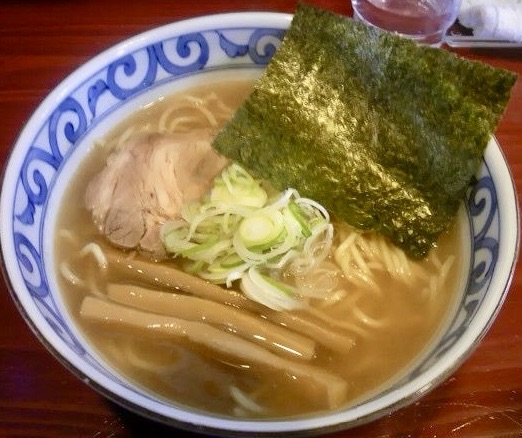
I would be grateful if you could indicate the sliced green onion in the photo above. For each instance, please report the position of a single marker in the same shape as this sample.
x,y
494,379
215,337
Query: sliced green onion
x,y
231,261
208,251
261,229
269,292
194,267
300,217
236,186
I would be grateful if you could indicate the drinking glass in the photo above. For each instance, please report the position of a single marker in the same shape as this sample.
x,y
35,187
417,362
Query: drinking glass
x,y
425,21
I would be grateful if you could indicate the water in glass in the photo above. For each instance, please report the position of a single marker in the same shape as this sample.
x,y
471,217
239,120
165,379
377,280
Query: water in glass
x,y
426,21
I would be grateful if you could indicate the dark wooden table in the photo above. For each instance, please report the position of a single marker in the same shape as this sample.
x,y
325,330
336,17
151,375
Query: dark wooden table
x,y
43,41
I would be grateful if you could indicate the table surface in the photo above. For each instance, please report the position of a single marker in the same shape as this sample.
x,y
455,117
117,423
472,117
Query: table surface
x,y
43,41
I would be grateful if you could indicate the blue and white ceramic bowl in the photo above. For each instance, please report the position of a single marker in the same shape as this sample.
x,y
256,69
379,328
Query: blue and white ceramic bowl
x,y
120,80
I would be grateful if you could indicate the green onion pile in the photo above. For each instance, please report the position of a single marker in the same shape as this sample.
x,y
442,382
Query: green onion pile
x,y
242,231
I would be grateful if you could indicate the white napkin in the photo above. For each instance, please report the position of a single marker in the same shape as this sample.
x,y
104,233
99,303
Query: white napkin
x,y
493,19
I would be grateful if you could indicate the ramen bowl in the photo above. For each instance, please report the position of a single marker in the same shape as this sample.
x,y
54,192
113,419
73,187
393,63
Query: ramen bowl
x,y
126,77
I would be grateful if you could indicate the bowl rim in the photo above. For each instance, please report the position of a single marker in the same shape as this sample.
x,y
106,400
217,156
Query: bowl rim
x,y
218,425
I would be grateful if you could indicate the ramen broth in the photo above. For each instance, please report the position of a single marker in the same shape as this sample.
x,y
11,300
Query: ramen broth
x,y
385,329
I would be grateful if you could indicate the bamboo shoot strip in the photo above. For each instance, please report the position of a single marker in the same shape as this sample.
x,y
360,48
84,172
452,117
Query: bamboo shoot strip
x,y
160,275
244,324
333,387
303,323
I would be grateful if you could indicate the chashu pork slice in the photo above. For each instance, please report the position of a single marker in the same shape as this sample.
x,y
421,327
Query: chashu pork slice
x,y
146,181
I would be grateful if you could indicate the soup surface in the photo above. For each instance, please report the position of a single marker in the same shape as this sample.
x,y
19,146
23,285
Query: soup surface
x,y
365,334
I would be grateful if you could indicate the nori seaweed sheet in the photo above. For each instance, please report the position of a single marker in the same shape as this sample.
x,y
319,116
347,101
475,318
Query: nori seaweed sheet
x,y
385,133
